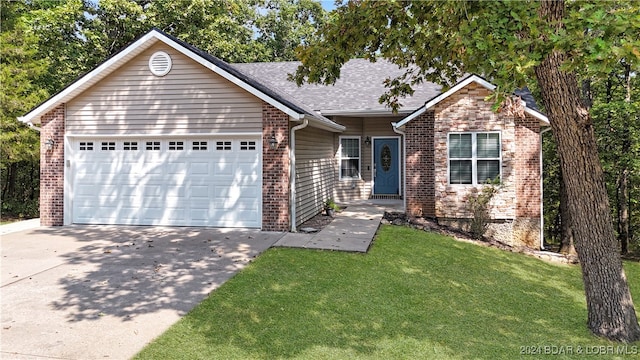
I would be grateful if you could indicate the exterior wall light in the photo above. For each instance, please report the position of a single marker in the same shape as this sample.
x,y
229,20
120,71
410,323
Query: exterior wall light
x,y
367,140
48,144
273,142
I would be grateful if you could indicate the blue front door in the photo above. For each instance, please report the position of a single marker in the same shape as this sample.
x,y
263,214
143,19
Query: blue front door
x,y
386,166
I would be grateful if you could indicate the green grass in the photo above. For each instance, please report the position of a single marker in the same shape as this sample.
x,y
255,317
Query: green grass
x,y
415,295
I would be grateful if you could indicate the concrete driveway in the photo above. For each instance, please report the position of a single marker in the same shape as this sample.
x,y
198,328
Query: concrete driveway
x,y
104,292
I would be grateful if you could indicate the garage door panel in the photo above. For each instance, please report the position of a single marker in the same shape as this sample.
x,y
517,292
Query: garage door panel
x,y
126,214
199,192
245,168
221,169
175,192
236,191
246,181
199,168
228,219
168,187
238,204
199,216
164,215
177,168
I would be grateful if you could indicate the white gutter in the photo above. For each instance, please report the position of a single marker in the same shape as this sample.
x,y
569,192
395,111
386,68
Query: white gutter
x,y
404,165
542,193
31,125
321,122
292,173
366,112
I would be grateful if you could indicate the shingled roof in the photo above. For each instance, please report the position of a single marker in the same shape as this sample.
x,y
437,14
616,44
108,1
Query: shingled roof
x,y
358,89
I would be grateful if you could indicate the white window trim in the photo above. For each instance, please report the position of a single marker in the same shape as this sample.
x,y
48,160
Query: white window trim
x,y
340,158
474,157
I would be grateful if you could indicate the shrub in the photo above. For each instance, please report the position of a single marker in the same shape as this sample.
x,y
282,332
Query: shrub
x,y
479,208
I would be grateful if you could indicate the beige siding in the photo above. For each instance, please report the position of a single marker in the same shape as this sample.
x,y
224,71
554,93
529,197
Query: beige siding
x,y
350,189
189,99
315,171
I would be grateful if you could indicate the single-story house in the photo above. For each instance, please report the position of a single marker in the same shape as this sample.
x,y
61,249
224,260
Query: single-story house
x,y
162,133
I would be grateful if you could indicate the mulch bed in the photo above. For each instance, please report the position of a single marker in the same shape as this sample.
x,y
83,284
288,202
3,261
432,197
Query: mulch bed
x,y
317,222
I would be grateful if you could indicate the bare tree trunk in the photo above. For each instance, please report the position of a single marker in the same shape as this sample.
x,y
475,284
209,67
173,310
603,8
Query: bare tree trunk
x,y
587,96
566,233
622,190
611,313
622,183
12,170
33,179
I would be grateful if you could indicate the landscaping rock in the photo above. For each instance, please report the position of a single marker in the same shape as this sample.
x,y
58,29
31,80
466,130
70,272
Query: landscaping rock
x,y
401,219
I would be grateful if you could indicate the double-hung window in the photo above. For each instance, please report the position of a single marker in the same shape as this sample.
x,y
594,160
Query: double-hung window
x,y
349,157
474,158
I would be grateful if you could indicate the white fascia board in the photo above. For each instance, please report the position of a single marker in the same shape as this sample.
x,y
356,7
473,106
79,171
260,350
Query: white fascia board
x,y
536,114
413,115
473,78
431,103
457,87
89,78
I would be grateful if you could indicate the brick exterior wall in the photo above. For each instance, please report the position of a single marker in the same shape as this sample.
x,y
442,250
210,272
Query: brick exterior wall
x,y
516,207
52,168
420,163
467,111
526,226
275,170
527,165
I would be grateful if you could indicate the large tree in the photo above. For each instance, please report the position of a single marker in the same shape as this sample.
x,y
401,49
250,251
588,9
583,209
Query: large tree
x,y
20,78
285,24
513,44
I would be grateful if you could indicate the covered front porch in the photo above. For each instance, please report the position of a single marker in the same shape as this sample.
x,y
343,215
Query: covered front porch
x,y
369,158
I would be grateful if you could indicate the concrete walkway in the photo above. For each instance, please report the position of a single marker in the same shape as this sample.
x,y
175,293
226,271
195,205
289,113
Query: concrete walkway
x,y
19,226
352,229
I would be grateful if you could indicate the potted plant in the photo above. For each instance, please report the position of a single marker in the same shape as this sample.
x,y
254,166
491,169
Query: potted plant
x,y
330,207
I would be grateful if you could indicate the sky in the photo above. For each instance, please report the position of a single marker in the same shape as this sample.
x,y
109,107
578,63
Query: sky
x,y
328,4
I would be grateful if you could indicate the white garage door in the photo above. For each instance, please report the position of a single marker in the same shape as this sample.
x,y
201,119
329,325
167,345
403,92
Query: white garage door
x,y
182,182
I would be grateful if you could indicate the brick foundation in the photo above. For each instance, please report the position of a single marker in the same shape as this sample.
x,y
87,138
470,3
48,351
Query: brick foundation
x,y
52,168
275,170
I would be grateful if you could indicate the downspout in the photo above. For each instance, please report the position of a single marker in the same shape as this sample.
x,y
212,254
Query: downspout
x,y
404,165
292,173
542,192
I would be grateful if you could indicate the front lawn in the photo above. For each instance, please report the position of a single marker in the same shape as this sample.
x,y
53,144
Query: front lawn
x,y
415,295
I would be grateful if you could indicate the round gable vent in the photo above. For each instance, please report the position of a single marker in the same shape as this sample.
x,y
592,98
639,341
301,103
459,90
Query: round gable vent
x,y
160,63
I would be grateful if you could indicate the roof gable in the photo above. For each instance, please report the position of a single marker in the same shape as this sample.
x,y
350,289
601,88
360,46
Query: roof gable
x,y
288,106
529,106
